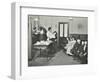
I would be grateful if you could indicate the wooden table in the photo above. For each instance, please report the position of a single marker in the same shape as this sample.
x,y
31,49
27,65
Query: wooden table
x,y
41,47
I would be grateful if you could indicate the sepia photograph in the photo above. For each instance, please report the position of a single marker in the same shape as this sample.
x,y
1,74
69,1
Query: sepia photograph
x,y
57,40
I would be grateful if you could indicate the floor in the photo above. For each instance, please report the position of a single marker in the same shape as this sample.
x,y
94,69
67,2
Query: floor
x,y
60,58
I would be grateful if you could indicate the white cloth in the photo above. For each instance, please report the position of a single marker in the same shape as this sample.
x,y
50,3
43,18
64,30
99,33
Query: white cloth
x,y
84,47
43,43
69,46
50,35
41,32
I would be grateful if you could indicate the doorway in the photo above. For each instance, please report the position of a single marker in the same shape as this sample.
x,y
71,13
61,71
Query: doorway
x,y
63,30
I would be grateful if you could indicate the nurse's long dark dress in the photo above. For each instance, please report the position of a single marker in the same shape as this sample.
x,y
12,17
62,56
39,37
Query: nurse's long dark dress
x,y
43,36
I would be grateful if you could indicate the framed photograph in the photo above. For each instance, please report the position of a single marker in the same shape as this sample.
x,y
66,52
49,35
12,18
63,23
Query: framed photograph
x,y
48,42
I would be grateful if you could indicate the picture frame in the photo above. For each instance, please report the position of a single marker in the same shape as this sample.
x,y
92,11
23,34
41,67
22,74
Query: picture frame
x,y
19,38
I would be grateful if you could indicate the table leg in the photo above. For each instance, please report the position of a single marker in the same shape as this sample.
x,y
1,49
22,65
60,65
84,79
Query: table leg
x,y
40,52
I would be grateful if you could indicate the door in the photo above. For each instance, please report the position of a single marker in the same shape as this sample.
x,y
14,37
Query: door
x,y
63,30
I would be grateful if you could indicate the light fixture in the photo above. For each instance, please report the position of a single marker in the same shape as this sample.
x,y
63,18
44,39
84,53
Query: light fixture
x,y
70,18
36,19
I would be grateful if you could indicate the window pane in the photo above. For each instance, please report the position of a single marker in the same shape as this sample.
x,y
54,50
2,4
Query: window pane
x,y
61,30
65,30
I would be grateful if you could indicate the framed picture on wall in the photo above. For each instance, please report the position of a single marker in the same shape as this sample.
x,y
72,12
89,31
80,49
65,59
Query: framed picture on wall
x,y
49,41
